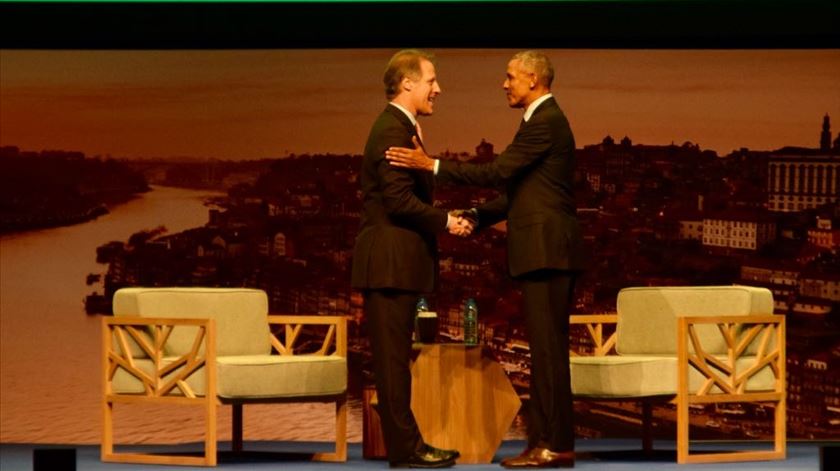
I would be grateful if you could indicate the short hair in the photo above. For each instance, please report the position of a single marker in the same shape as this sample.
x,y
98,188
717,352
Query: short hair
x,y
538,63
405,63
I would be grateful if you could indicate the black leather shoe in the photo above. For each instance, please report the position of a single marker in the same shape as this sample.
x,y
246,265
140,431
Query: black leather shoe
x,y
455,454
428,457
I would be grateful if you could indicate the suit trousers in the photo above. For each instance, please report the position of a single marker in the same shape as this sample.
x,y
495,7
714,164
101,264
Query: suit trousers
x,y
390,323
547,297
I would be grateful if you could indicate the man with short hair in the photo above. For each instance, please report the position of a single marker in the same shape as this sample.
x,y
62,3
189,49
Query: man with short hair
x,y
544,243
395,256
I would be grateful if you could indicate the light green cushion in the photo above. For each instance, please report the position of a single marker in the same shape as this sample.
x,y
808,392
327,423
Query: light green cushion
x,y
642,376
241,316
125,383
647,317
258,376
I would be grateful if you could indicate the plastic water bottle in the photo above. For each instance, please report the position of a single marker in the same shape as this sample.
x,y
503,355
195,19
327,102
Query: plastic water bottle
x,y
470,322
422,306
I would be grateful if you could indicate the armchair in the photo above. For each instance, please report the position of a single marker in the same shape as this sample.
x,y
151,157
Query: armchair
x,y
211,346
688,345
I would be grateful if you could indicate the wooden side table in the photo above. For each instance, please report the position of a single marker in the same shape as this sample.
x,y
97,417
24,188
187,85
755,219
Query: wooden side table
x,y
373,444
462,399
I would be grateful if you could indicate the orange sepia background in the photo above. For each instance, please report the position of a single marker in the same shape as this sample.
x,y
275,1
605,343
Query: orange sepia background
x,y
209,129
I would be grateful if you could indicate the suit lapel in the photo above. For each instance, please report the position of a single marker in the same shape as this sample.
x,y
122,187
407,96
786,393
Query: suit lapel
x,y
544,106
540,109
425,177
403,119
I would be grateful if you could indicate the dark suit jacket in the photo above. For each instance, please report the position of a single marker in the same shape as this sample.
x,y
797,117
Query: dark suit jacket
x,y
396,247
537,170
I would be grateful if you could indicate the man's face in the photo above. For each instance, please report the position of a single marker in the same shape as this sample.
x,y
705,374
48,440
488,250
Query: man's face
x,y
518,83
425,90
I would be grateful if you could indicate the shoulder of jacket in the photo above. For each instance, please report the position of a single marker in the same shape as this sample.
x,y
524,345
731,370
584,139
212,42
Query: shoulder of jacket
x,y
552,114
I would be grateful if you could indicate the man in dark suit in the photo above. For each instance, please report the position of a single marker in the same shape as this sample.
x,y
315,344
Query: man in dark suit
x,y
544,243
395,256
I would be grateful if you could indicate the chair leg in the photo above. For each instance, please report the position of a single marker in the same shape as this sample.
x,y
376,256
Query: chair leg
x,y
682,430
210,456
236,427
647,428
780,429
341,429
340,453
107,449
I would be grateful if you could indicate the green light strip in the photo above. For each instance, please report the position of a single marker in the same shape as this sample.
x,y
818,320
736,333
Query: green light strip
x,y
337,1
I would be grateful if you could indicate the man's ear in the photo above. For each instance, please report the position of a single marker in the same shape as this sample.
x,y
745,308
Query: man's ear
x,y
406,84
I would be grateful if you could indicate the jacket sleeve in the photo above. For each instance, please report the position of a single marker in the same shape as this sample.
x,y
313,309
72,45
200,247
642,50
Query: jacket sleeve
x,y
529,146
398,192
492,212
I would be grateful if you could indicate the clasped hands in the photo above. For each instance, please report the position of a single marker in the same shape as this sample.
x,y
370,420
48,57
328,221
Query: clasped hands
x,y
463,224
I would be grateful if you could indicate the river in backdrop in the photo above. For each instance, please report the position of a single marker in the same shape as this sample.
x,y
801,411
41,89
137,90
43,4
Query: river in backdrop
x,y
50,365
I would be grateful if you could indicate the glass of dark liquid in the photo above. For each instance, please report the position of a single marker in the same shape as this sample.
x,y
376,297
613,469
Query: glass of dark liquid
x,y
427,326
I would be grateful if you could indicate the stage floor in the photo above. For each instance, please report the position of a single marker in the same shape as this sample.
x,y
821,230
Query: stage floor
x,y
602,454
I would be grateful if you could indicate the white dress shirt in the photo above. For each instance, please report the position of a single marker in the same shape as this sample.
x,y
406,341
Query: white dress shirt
x,y
534,104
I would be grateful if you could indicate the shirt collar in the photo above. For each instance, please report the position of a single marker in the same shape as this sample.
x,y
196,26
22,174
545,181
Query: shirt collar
x,y
533,106
407,113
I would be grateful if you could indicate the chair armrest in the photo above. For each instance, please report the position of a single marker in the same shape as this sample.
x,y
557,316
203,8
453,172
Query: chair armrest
x,y
738,333
294,323
150,335
595,327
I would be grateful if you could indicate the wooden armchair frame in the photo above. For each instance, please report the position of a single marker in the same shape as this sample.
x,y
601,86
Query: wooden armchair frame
x,y
161,387
595,327
738,332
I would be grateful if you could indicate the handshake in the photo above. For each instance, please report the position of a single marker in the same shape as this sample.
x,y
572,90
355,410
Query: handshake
x,y
463,222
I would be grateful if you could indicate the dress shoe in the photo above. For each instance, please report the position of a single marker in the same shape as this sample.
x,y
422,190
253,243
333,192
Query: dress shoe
x,y
455,454
525,454
428,457
539,457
